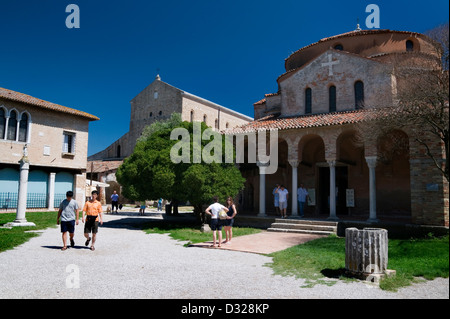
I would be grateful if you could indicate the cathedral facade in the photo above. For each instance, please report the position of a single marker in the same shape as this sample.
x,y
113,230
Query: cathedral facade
x,y
157,102
327,92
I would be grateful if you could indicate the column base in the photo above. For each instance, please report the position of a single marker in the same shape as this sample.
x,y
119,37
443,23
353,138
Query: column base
x,y
20,223
205,228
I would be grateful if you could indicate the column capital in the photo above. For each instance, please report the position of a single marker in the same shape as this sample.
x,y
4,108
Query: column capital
x,y
293,163
262,167
331,162
371,161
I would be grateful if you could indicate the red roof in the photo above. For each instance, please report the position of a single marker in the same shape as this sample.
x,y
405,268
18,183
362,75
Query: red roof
x,y
276,122
24,98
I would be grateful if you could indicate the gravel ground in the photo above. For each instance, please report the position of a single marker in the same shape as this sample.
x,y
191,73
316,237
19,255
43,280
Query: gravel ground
x,y
130,264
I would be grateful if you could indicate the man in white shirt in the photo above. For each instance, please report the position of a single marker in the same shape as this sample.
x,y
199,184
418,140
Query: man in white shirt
x,y
302,194
283,198
216,223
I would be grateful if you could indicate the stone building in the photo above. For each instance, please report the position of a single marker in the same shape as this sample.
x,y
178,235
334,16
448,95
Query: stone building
x,y
56,138
329,88
157,102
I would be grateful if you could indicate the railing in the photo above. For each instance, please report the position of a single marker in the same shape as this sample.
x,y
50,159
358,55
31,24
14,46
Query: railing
x,y
8,200
58,199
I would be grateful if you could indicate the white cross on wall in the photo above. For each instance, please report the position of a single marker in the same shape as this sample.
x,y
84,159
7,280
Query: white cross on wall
x,y
330,64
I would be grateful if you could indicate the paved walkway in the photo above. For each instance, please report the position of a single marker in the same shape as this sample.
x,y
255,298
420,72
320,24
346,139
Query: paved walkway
x,y
130,264
262,243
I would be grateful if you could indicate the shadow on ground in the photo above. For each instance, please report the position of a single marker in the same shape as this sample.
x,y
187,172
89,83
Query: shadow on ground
x,y
150,220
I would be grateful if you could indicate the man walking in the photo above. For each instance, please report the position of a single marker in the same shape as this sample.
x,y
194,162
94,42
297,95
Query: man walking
x,y
114,202
66,214
93,212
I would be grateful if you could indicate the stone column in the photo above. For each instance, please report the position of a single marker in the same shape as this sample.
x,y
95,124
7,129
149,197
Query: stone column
x,y
22,199
262,188
51,191
372,163
332,165
294,164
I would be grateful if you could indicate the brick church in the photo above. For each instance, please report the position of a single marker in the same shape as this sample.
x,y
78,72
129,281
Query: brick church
x,y
327,91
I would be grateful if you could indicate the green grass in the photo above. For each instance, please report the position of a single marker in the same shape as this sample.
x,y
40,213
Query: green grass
x,y
10,238
324,258
191,232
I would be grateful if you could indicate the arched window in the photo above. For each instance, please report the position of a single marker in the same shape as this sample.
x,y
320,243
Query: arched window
x,y
332,98
2,123
23,128
409,45
151,114
12,126
339,47
227,125
204,118
118,151
216,124
359,94
192,116
308,97
160,113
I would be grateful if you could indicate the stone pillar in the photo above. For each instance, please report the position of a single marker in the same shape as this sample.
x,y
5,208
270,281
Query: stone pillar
x,y
372,163
332,165
22,199
51,191
366,253
262,188
294,164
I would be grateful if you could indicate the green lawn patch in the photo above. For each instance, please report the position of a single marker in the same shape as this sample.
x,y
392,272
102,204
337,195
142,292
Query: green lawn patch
x,y
191,232
10,238
324,258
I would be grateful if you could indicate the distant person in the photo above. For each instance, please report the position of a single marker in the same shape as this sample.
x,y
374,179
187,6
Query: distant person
x,y
68,214
114,202
142,209
216,223
93,212
276,199
160,204
284,196
302,195
232,211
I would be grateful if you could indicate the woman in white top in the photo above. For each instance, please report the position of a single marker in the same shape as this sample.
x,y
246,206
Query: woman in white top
x,y
216,224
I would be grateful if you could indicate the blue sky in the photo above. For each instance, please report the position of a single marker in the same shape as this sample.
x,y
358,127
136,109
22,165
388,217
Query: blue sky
x,y
229,52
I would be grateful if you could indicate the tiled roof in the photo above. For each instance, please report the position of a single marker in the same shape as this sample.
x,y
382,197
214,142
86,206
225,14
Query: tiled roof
x,y
352,34
102,166
276,122
24,98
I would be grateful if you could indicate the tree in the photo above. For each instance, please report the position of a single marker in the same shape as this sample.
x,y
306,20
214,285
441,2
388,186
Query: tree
x,y
150,173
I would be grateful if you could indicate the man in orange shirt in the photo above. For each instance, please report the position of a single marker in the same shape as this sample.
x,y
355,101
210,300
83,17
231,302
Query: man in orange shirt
x,y
93,212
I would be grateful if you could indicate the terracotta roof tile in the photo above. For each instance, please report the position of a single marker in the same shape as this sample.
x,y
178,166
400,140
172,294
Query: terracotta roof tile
x,y
102,166
276,122
24,98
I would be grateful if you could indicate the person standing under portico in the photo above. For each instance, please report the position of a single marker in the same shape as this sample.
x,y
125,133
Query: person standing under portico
x,y
283,198
302,195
